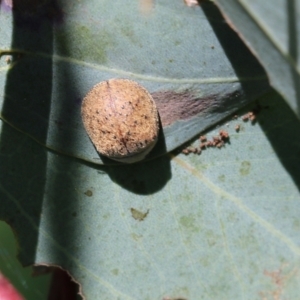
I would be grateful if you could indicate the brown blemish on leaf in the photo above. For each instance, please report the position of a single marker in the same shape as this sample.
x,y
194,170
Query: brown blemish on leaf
x,y
146,6
88,193
138,215
279,280
223,135
175,106
202,138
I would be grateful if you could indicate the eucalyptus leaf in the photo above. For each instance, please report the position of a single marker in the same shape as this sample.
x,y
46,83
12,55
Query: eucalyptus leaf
x,y
220,225
195,66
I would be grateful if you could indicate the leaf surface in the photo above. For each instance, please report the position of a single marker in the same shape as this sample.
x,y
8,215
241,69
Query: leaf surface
x,y
221,225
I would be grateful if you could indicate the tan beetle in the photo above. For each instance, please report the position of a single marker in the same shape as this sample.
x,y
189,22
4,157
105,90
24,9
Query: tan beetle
x,y
121,119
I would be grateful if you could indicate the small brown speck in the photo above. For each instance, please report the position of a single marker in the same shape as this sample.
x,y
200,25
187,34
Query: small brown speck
x,y
8,59
245,118
202,138
223,134
88,193
237,128
146,6
203,145
251,116
216,140
185,151
138,215
192,149
209,144
220,144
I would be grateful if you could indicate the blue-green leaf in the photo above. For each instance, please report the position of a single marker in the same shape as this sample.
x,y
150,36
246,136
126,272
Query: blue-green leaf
x,y
220,225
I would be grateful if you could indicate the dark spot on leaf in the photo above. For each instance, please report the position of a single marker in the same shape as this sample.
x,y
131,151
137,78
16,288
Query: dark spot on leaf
x,y
88,193
174,106
138,215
